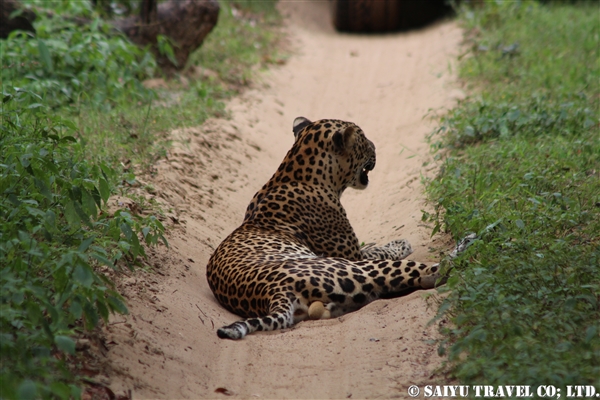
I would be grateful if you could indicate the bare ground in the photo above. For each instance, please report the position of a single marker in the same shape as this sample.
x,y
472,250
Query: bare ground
x,y
167,346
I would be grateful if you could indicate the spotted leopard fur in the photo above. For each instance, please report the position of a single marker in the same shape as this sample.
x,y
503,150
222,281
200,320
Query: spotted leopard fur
x,y
296,247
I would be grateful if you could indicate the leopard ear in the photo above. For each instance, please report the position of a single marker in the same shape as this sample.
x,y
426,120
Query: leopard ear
x,y
299,124
344,140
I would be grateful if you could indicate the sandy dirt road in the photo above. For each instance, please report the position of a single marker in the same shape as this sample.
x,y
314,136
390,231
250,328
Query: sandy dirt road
x,y
167,347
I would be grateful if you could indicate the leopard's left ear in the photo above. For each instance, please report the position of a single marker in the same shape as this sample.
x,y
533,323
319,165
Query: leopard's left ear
x,y
344,140
299,124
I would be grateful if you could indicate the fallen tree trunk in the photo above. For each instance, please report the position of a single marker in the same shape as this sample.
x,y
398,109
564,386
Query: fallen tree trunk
x,y
185,22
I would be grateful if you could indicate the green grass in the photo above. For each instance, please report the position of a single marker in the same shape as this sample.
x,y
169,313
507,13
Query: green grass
x,y
245,39
76,125
521,168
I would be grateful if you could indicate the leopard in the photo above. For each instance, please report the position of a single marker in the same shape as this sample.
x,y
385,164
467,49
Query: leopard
x,y
296,256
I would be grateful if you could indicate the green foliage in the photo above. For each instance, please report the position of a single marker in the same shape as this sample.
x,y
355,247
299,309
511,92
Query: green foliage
x,y
118,119
66,63
540,71
90,75
522,170
529,117
54,233
165,47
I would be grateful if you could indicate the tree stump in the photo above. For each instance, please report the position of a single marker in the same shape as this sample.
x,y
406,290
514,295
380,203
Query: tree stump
x,y
185,22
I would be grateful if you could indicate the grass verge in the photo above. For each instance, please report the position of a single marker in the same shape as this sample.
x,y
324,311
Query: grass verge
x,y
76,122
521,168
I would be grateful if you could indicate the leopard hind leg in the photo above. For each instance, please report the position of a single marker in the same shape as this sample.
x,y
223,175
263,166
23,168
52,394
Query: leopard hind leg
x,y
281,315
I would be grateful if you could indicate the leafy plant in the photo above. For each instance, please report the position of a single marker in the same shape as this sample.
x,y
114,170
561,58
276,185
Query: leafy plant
x,y
54,233
165,46
521,169
66,63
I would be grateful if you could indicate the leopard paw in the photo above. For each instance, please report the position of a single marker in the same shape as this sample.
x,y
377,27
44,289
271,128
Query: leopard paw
x,y
317,310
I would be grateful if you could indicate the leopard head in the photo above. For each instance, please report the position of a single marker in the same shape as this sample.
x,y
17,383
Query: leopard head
x,y
331,152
